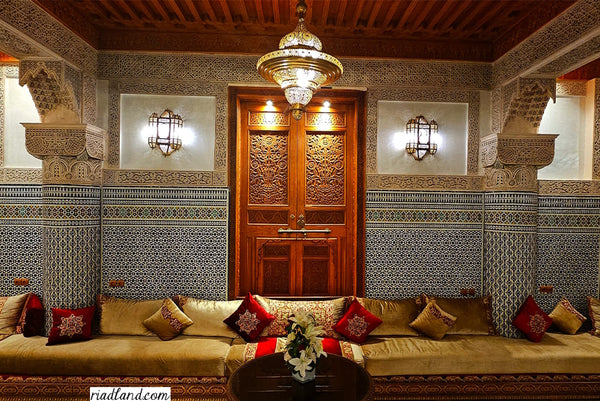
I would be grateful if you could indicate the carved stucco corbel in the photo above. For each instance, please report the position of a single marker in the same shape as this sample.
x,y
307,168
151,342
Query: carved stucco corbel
x,y
70,153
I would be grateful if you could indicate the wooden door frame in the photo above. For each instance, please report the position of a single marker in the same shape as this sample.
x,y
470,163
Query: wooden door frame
x,y
237,93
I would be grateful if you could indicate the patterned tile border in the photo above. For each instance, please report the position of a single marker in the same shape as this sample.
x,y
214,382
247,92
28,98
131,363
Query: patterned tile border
x,y
115,177
568,187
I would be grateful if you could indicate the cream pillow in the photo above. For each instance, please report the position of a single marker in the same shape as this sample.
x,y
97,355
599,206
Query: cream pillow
x,y
168,321
208,316
396,315
125,316
10,312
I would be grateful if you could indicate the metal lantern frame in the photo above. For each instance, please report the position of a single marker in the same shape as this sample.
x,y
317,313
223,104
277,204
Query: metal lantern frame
x,y
420,132
171,122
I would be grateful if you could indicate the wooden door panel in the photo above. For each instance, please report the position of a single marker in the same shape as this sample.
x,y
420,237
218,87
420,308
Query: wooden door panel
x,y
274,259
320,266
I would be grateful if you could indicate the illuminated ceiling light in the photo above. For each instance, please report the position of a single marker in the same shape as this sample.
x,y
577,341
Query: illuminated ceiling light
x,y
326,103
166,138
419,132
299,67
270,103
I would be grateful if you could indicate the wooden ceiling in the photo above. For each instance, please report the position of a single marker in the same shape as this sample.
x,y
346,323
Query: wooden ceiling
x,y
477,30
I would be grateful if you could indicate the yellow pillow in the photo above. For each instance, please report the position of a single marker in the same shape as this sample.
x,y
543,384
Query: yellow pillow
x,y
10,312
566,318
208,316
433,321
594,310
125,316
168,321
396,315
474,315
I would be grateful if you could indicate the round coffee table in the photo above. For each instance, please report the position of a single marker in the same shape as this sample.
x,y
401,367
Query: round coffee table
x,y
268,378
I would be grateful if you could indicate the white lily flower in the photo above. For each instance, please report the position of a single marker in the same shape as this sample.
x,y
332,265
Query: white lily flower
x,y
301,364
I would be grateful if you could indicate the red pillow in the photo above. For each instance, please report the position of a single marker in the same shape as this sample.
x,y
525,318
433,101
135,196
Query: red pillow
x,y
357,323
532,320
250,319
71,325
32,318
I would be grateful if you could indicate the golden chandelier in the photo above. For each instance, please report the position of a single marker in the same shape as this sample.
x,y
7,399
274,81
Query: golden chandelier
x,y
299,67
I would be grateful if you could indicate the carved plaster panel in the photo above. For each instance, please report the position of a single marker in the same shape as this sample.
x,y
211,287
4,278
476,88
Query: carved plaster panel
x,y
534,150
589,50
169,178
568,187
44,140
527,105
511,178
29,23
596,154
2,113
18,46
425,182
20,175
576,22
571,88
89,100
71,170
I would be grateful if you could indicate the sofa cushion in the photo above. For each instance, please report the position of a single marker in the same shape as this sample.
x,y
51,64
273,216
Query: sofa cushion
x,y
250,319
531,320
125,316
433,321
395,315
566,317
473,315
357,323
31,321
168,321
71,325
478,355
208,316
326,313
115,356
594,311
10,312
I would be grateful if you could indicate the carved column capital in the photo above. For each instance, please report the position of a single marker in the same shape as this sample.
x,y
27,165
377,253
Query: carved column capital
x,y
71,153
511,161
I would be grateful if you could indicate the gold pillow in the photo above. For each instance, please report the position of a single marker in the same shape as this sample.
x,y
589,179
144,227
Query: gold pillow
x,y
474,315
433,321
10,312
125,316
208,316
326,313
396,315
566,318
168,321
594,310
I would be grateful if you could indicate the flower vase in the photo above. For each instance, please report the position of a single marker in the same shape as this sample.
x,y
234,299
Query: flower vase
x,y
309,375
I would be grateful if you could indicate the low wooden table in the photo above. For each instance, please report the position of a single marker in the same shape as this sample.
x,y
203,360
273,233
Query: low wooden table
x,y
268,378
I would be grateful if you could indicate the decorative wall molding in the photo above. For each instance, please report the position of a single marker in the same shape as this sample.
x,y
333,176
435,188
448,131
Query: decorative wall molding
x,y
81,170
35,33
578,26
425,182
567,187
596,154
423,95
534,150
527,105
165,178
21,175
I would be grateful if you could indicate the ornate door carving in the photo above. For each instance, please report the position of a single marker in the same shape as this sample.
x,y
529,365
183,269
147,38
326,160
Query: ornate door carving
x,y
296,200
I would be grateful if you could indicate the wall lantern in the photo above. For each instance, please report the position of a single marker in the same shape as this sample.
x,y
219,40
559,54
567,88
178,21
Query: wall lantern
x,y
165,137
299,67
419,133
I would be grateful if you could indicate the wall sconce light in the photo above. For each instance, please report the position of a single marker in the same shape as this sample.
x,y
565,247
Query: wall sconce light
x,y
419,132
165,138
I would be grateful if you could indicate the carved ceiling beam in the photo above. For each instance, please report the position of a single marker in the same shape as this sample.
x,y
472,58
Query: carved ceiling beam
x,y
70,153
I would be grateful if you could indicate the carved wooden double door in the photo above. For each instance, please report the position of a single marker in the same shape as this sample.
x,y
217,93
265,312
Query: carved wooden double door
x,y
296,196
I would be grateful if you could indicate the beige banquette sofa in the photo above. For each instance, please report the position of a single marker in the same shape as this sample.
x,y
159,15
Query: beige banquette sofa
x,y
469,362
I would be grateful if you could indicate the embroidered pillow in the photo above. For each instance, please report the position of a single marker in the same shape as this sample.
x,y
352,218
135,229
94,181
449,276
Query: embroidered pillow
x,y
473,315
594,311
433,321
250,319
566,317
532,321
326,314
10,312
357,323
168,321
71,325
31,322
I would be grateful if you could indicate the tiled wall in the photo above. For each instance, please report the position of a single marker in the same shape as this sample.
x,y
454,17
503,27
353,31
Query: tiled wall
x,y
20,238
568,249
165,241
423,242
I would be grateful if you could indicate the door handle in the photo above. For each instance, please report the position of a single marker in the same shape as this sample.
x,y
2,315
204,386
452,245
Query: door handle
x,y
302,231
